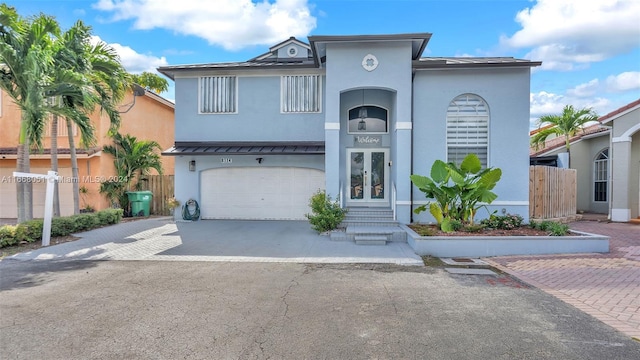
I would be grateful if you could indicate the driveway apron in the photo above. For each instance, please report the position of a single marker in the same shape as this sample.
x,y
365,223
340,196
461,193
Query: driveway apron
x,y
219,240
606,286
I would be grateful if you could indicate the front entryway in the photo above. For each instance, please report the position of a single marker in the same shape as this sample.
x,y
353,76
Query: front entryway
x,y
368,177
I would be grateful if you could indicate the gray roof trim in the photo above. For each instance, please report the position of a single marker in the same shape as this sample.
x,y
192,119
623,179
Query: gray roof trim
x,y
419,40
170,71
473,62
247,148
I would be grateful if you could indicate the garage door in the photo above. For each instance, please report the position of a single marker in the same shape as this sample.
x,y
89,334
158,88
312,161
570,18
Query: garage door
x,y
265,193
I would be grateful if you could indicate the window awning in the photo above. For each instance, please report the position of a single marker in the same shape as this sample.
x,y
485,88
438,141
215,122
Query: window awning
x,y
246,148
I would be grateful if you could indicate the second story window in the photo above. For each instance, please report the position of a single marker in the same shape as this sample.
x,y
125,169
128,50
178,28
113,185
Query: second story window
x,y
218,94
301,94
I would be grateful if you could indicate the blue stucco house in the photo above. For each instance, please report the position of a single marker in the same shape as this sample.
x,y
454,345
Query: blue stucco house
x,y
355,115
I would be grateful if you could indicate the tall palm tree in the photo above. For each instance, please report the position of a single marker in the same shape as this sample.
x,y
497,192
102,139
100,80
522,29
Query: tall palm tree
x,y
101,81
132,159
26,60
566,124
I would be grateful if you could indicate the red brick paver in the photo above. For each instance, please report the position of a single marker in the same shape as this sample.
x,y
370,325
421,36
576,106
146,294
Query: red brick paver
x,y
606,286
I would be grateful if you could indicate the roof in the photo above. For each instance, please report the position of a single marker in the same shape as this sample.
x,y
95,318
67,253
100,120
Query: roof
x,y
459,62
619,112
318,49
247,148
558,142
61,151
318,42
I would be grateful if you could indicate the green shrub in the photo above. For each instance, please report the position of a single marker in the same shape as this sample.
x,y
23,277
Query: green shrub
x,y
558,229
8,235
542,225
326,214
30,231
503,222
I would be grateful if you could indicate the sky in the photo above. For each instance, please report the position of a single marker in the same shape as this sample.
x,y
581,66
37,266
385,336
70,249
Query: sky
x,y
590,49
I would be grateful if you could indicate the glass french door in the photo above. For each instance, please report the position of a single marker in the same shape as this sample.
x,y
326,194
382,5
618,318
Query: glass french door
x,y
368,176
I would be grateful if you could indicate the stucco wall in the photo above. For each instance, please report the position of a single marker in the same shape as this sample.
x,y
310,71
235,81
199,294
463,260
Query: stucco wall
x,y
506,92
258,116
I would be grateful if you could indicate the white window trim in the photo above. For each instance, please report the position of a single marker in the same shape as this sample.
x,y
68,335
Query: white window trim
x,y
237,100
488,127
282,98
606,181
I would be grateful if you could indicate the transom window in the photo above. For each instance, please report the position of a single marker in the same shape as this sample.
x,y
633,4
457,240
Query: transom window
x,y
301,94
218,94
368,119
601,176
467,128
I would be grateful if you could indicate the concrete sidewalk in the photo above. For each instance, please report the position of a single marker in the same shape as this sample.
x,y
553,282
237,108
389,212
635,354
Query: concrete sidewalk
x,y
221,241
606,286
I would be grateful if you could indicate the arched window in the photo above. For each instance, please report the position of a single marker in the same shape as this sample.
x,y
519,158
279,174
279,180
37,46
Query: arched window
x,y
368,119
601,176
467,128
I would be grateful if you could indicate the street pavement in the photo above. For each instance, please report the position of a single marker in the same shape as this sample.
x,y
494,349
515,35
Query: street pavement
x,y
68,309
606,286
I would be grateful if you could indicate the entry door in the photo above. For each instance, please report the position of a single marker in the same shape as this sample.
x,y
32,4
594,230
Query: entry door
x,y
368,181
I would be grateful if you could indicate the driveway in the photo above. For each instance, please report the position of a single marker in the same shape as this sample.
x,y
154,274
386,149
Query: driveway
x,y
606,286
231,310
219,240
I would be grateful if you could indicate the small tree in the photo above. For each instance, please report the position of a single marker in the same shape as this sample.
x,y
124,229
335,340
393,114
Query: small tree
x,y
457,192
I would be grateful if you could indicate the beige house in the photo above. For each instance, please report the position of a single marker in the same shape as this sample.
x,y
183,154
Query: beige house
x,y
607,161
147,117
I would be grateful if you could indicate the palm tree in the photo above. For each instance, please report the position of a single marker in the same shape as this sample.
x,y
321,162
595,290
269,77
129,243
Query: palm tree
x,y
567,124
133,158
26,58
101,80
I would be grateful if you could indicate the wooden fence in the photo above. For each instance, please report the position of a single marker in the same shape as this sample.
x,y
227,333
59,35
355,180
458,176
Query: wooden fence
x,y
162,188
552,192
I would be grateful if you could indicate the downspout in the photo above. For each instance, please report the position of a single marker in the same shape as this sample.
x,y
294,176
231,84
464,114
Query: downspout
x,y
413,76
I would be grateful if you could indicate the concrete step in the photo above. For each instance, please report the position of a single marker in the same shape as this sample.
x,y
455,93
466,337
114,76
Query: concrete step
x,y
348,223
370,239
390,233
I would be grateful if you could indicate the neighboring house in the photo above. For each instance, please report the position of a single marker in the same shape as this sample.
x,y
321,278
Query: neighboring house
x,y
149,118
355,115
607,161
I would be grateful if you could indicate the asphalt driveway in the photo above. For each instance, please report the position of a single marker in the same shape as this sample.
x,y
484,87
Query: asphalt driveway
x,y
223,310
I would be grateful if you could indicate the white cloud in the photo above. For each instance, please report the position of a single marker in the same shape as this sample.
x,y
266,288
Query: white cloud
x,y
133,61
570,34
585,90
232,24
625,81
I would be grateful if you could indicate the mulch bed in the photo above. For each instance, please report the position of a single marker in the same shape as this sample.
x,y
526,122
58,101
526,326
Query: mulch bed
x,y
433,230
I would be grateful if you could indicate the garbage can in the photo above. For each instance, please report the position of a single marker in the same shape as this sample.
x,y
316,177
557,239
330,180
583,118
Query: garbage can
x,y
140,202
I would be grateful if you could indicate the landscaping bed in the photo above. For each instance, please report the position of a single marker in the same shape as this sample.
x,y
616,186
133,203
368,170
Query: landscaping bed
x,y
433,230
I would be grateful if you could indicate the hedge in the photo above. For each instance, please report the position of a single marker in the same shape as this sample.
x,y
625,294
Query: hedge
x,y
31,231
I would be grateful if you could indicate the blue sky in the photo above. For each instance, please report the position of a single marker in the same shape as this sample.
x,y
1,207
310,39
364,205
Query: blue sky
x,y
590,49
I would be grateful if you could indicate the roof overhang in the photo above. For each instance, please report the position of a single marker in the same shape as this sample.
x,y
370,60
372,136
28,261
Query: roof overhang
x,y
620,112
319,42
246,148
469,63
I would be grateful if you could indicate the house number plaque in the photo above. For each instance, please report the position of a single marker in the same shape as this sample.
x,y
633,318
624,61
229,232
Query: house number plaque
x,y
226,160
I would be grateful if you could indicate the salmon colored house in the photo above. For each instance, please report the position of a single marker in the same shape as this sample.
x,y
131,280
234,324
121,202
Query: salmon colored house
x,y
147,117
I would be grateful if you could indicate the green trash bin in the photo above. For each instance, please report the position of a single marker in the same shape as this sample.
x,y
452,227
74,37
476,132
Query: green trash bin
x,y
140,202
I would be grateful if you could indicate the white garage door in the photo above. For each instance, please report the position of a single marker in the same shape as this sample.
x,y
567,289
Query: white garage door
x,y
265,193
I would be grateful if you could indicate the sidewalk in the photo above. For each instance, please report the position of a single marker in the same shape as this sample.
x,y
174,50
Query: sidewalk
x,y
606,286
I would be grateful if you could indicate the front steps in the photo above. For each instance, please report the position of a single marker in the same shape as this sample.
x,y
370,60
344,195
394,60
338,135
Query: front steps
x,y
370,226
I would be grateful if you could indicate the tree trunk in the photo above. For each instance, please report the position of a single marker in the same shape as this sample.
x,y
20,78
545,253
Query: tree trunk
x,y
24,188
74,170
54,164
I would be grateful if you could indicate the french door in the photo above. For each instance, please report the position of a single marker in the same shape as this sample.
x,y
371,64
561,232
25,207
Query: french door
x,y
368,177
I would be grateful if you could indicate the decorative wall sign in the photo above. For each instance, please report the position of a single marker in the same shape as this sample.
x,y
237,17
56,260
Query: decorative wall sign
x,y
367,141
370,62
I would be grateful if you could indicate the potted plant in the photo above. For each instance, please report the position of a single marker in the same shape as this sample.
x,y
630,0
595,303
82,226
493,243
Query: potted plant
x,y
172,203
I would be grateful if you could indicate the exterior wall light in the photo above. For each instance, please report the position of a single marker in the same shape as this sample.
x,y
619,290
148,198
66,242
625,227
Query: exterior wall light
x,y
192,165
